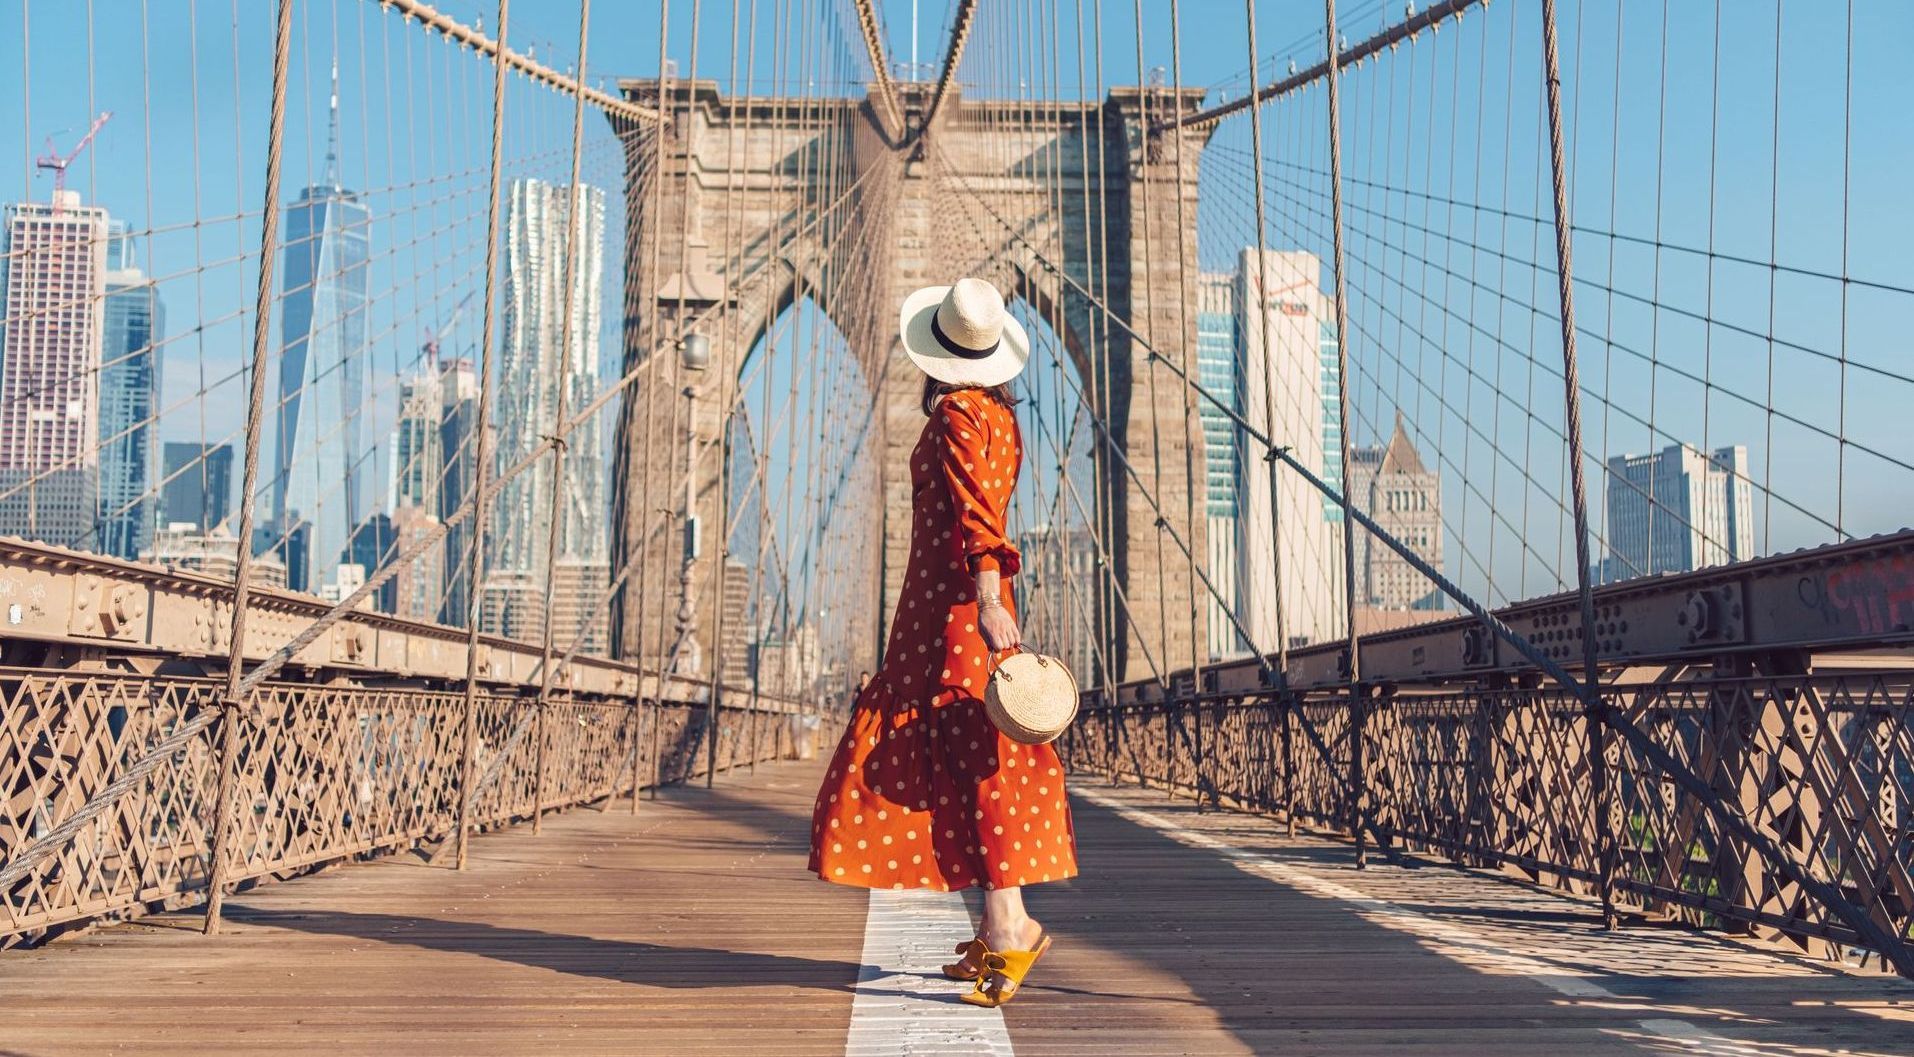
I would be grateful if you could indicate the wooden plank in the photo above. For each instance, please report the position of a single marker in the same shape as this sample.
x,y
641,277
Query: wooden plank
x,y
1210,933
694,929
691,928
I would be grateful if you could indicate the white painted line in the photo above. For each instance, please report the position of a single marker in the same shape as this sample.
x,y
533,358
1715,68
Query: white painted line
x,y
904,1007
1453,941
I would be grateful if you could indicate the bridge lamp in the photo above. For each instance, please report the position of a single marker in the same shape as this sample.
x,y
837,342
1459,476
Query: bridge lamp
x,y
694,353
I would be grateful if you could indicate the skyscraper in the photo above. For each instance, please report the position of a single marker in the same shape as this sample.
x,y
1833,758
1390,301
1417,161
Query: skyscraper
x,y
1329,349
1678,509
533,365
418,466
1216,347
374,545
1391,485
735,653
418,454
541,353
129,399
459,447
419,585
1280,390
318,454
53,305
578,609
198,487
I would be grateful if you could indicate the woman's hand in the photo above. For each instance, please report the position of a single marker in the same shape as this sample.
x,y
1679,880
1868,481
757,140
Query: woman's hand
x,y
999,627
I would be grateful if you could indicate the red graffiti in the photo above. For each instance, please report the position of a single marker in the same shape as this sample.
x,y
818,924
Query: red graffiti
x,y
1878,595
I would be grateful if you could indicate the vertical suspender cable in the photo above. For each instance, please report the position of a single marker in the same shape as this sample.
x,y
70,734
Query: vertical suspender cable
x,y
1572,399
1290,704
223,808
475,565
1172,716
727,336
647,298
1358,705
1186,338
574,229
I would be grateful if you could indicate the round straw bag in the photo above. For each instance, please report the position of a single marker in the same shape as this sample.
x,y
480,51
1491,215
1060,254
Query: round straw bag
x,y
1031,697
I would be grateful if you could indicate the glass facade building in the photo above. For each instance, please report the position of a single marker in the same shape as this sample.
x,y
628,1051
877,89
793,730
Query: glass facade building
x,y
129,400
319,469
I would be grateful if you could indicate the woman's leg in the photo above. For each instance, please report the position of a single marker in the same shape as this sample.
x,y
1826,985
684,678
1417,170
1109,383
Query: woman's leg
x,y
1007,926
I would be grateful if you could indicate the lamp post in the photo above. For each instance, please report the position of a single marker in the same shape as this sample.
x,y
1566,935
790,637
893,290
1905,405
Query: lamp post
x,y
694,356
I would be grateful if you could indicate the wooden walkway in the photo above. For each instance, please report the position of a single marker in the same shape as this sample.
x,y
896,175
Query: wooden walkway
x,y
693,929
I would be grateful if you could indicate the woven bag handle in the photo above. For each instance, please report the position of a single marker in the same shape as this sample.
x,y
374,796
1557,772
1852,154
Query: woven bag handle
x,y
1021,647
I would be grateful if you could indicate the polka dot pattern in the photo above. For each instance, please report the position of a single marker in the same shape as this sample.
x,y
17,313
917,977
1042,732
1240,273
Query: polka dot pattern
x,y
923,792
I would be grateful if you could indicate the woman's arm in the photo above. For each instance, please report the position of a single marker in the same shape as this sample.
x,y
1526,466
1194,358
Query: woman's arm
x,y
998,626
978,490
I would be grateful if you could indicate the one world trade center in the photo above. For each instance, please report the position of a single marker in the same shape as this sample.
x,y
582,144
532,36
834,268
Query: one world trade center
x,y
319,485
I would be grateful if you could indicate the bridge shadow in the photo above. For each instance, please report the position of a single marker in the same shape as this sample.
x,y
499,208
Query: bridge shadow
x,y
1281,964
619,961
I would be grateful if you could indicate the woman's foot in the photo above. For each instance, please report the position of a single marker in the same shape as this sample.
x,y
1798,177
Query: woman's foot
x,y
1007,967
1020,934
971,965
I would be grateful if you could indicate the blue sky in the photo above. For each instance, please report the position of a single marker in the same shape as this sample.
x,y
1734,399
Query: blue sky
x,y
1674,141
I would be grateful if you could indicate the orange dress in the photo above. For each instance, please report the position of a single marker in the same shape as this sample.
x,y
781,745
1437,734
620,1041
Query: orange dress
x,y
923,791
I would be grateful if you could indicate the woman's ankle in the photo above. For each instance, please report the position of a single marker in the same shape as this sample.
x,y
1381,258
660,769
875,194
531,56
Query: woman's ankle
x,y
1011,934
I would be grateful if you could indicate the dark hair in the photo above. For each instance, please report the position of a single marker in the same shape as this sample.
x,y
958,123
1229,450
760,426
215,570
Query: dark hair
x,y
934,389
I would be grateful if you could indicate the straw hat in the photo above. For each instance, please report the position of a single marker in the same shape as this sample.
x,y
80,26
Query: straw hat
x,y
960,334
1031,698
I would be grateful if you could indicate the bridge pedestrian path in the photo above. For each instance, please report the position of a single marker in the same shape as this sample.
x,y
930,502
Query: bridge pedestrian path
x,y
693,928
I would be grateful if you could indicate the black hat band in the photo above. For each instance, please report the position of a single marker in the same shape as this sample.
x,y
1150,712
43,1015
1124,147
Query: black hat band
x,y
957,350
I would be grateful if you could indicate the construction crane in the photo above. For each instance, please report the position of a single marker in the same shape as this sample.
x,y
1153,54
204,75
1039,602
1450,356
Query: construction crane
x,y
52,159
429,352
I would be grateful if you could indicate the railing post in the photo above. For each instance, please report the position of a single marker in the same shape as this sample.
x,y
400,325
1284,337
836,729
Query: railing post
x,y
638,740
638,733
1602,796
225,796
1358,791
1290,710
475,565
657,743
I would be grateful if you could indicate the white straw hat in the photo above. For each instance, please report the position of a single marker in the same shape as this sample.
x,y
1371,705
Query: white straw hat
x,y
961,334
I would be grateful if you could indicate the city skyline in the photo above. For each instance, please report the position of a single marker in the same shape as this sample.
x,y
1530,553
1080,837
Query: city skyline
x,y
1440,431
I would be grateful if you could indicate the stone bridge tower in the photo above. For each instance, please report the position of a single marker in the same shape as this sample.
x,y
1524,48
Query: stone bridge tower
x,y
1085,211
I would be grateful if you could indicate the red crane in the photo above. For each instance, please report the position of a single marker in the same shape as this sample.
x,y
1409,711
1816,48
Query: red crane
x,y
52,160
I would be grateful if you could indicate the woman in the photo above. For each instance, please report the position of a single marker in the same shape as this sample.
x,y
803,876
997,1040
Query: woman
x,y
923,791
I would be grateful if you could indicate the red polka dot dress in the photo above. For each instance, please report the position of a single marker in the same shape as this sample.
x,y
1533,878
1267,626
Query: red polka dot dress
x,y
923,792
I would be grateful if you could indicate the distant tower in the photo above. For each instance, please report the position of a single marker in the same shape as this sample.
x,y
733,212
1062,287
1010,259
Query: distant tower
x,y
1391,485
459,447
318,466
129,400
53,304
418,454
199,484
1216,368
1281,294
1678,509
534,363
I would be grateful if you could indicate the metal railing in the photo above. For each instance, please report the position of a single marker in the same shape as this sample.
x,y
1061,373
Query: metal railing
x,y
109,764
1489,763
